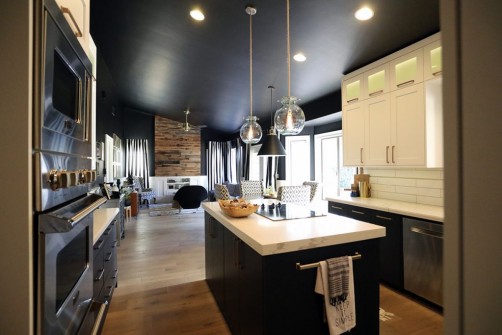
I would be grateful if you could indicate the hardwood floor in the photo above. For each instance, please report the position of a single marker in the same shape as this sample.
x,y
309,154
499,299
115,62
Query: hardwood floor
x,y
161,287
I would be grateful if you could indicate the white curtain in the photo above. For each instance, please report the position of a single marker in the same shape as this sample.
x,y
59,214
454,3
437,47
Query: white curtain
x,y
137,160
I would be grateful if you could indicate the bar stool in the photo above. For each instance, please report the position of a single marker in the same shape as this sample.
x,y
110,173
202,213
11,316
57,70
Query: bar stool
x,y
127,213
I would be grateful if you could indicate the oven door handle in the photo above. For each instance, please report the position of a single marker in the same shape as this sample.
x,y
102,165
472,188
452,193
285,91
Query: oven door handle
x,y
89,209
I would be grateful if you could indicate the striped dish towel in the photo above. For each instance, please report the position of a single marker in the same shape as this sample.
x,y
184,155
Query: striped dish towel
x,y
338,279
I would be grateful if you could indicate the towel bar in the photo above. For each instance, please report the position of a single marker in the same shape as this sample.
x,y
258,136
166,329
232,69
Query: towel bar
x,y
314,265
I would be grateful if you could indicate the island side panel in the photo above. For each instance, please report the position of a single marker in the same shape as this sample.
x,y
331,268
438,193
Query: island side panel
x,y
292,307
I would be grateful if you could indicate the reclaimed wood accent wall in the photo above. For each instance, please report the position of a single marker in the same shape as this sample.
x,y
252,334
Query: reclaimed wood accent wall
x,y
177,152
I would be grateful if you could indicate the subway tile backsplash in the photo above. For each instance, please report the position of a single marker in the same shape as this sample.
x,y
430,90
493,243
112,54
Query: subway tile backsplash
x,y
421,186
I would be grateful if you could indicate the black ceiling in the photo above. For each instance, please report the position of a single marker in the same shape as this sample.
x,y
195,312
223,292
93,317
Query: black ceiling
x,y
163,62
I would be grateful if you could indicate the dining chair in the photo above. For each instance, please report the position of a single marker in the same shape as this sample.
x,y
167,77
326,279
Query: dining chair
x,y
315,189
221,192
299,195
251,189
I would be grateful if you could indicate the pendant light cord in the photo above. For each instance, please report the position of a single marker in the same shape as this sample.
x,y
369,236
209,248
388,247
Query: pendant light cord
x,y
251,65
288,46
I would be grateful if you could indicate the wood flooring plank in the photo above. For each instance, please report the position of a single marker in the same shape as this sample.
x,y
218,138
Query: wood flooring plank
x,y
162,288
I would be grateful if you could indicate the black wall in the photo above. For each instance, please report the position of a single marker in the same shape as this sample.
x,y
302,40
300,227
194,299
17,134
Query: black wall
x,y
109,111
139,125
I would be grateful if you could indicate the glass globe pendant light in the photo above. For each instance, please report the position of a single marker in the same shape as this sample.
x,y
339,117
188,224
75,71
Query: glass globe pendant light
x,y
289,119
251,131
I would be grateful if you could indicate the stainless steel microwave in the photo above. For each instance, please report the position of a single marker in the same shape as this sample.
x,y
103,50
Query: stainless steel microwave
x,y
64,123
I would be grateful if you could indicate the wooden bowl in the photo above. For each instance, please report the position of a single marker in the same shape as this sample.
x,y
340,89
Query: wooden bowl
x,y
237,208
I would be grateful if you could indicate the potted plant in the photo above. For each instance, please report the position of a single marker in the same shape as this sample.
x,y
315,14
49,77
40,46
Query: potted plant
x,y
126,191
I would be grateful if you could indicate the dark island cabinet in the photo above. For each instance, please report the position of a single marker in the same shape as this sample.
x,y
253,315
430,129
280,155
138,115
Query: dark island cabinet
x,y
105,263
391,246
214,256
268,295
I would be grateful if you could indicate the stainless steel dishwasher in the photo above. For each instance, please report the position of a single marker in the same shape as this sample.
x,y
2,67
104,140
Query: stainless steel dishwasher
x,y
423,259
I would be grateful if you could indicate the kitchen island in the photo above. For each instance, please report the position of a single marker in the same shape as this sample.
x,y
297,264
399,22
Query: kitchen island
x,y
251,270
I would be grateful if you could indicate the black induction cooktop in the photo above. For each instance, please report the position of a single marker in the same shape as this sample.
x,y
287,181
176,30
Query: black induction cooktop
x,y
280,211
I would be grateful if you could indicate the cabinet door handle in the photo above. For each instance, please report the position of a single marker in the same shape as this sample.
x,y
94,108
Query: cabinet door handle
x,y
406,83
357,212
437,73
236,251
100,244
387,154
66,10
384,217
376,93
393,162
361,155
352,100
100,276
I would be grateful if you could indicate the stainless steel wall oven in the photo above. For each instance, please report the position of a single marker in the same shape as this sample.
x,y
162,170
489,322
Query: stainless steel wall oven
x,y
63,176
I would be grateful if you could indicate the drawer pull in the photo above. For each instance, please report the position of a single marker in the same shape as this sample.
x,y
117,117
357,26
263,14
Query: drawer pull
x,y
352,100
376,93
406,83
437,73
99,244
100,276
357,212
384,217
115,274
66,10
336,207
108,256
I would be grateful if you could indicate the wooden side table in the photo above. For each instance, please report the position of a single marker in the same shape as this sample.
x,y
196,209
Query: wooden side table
x,y
134,203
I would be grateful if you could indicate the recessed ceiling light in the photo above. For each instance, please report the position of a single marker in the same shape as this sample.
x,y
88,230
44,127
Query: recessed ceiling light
x,y
299,57
196,14
364,13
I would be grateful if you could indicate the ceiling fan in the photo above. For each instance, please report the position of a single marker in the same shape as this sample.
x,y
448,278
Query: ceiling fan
x,y
187,126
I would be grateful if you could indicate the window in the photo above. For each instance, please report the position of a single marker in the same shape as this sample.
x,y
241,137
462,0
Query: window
x,y
297,159
329,169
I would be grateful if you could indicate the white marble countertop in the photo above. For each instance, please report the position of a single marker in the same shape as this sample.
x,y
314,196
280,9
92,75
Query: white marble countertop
x,y
102,218
269,237
428,212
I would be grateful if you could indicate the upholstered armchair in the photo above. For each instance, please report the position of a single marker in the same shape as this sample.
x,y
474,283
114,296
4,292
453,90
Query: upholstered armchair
x,y
189,197
145,194
315,189
251,189
299,195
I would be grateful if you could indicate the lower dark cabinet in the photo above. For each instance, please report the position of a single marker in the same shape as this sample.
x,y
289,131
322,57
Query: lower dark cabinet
x,y
391,246
268,295
214,259
243,286
105,263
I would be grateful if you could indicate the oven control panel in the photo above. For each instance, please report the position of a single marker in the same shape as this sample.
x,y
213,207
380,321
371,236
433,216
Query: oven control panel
x,y
58,179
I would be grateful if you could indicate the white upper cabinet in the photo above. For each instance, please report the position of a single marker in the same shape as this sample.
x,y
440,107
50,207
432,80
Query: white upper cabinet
x,y
377,80
77,13
353,131
433,60
408,142
378,130
392,109
353,90
407,70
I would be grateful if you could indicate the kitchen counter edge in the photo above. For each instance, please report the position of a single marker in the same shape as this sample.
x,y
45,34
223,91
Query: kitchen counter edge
x,y
102,219
269,237
428,212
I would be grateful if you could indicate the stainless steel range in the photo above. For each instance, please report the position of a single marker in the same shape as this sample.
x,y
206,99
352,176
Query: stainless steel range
x,y
63,176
